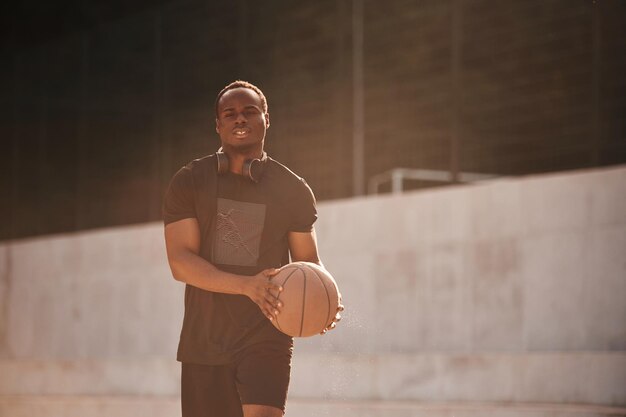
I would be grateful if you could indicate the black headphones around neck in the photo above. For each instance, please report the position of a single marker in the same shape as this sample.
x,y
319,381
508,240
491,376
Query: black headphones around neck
x,y
252,168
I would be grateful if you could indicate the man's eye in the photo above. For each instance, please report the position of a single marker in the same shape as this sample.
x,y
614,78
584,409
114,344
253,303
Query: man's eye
x,y
229,115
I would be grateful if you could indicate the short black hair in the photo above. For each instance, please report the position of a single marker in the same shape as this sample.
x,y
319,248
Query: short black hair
x,y
241,84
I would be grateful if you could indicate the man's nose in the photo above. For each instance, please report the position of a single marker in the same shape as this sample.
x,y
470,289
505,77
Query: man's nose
x,y
241,118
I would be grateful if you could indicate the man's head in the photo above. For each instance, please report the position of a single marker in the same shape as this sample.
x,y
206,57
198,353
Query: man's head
x,y
241,117
241,84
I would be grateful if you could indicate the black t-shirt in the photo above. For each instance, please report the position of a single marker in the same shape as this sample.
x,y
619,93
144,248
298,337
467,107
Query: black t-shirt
x,y
243,227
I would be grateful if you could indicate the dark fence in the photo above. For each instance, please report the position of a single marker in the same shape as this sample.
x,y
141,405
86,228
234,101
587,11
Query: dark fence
x,y
95,122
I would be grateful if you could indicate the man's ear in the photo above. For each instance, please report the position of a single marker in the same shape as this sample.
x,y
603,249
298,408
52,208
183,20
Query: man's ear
x,y
217,126
267,120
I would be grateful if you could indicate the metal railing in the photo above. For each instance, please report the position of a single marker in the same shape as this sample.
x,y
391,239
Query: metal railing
x,y
398,175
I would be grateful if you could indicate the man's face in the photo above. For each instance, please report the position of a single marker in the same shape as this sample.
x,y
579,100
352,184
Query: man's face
x,y
241,122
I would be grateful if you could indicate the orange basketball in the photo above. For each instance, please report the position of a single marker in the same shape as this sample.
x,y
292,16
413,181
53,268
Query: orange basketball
x,y
310,299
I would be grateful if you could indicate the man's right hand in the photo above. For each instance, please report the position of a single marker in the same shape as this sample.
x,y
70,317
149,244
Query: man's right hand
x,y
259,288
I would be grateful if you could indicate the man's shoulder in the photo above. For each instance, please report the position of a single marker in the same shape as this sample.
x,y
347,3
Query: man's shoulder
x,y
200,163
194,173
287,181
282,171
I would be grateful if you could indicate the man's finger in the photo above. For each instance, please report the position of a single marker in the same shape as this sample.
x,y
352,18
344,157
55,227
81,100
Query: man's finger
x,y
271,307
270,286
270,272
274,303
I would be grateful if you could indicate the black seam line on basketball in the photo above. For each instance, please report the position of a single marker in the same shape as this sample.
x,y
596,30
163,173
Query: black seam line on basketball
x,y
327,295
303,300
278,296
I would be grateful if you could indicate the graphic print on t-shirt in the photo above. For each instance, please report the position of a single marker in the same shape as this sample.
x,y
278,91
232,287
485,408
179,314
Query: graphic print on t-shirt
x,y
238,230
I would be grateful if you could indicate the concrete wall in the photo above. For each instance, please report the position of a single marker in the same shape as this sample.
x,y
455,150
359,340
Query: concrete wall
x,y
511,290
527,264
101,294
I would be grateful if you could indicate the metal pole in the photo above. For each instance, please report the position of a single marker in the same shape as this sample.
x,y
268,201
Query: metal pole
x,y
15,150
595,83
396,181
358,118
81,217
154,204
455,70
242,39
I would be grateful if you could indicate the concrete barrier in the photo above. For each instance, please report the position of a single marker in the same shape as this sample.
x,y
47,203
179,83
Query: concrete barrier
x,y
513,290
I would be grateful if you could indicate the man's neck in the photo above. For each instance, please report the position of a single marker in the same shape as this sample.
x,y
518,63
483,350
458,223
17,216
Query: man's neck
x,y
236,157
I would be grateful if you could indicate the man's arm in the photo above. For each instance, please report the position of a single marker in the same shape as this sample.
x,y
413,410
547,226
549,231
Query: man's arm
x,y
182,242
303,247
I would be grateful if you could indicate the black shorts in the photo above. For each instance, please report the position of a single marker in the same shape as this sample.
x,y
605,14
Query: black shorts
x,y
259,375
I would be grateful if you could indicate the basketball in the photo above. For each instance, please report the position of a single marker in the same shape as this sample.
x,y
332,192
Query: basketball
x,y
310,299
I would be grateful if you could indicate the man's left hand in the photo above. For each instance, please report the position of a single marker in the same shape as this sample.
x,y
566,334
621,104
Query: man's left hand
x,y
337,318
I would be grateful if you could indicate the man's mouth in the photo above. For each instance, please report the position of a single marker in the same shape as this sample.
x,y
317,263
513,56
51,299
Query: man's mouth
x,y
241,131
